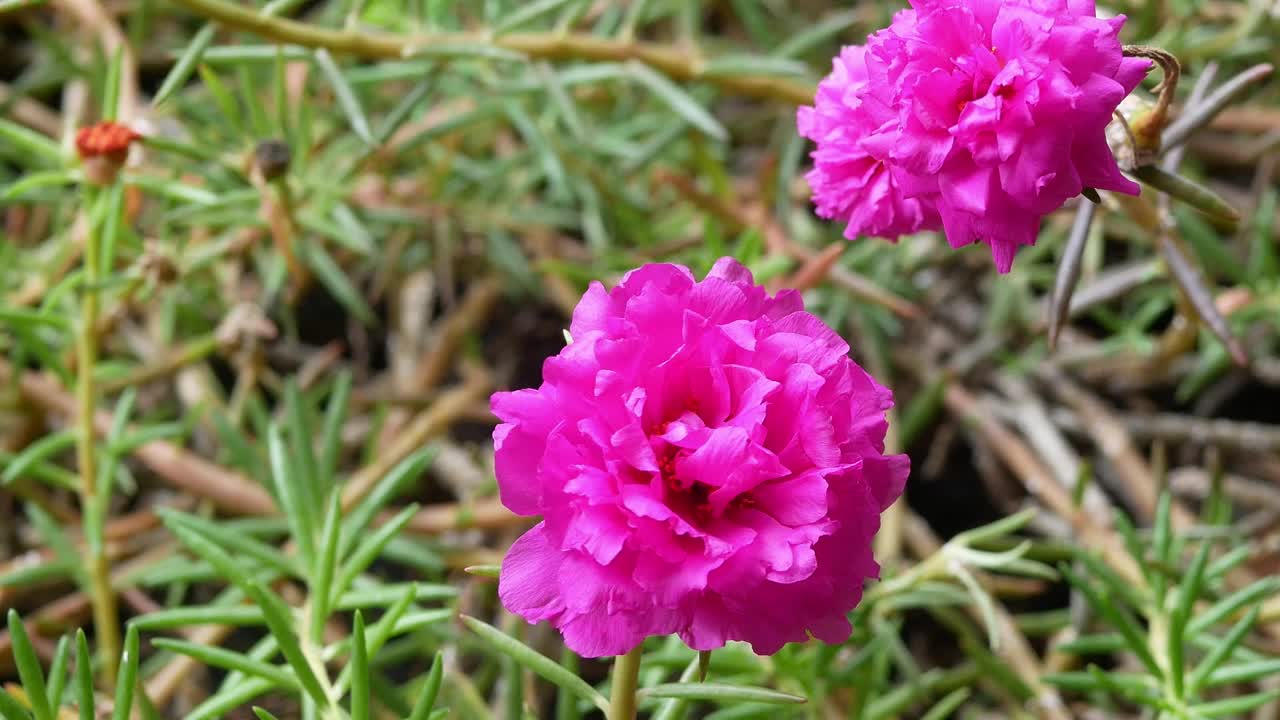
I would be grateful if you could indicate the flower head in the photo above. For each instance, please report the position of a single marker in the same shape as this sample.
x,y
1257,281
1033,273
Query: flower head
x,y
103,149
707,461
987,113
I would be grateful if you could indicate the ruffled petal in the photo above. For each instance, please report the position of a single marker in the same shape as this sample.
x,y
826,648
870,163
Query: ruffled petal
x,y
528,584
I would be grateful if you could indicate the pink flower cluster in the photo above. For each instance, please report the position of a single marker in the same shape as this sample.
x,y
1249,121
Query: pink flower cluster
x,y
976,117
707,461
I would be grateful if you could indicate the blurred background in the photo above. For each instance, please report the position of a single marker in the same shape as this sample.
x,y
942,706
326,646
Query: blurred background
x,y
349,221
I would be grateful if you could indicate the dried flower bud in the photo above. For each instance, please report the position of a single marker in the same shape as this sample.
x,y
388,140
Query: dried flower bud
x,y
103,149
157,265
244,326
273,158
1147,128
1120,130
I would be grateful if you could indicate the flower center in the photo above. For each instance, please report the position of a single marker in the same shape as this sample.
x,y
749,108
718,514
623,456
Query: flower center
x,y
691,498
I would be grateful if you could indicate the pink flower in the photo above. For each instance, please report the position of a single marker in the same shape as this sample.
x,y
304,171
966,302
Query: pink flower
x,y
999,110
707,461
853,123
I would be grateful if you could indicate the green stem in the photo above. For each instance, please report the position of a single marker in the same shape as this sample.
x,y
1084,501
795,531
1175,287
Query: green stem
x,y
188,354
1192,193
92,506
626,677
674,62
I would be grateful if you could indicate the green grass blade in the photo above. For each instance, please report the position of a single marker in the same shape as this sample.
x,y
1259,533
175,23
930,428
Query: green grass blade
x,y
1082,681
1244,672
1188,592
383,595
37,452
335,417
35,574
1105,605
321,584
382,632
287,485
128,678
274,610
678,100
345,96
566,705
549,161
396,118
526,14
186,64
224,702
336,281
164,187
11,709
427,700
384,492
1221,652
1233,706
1100,644
719,693
222,97
534,660
111,90
119,427
310,487
29,670
818,33
386,626
230,660
943,709
280,622
34,181
1231,604
415,621
359,670
744,64
231,540
29,145
84,677
486,571
58,671
370,549
1229,561
195,615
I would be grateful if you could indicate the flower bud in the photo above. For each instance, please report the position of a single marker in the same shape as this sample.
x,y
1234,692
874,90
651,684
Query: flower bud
x,y
272,158
103,149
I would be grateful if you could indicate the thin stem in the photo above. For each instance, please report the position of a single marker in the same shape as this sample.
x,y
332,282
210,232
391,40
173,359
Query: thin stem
x,y
102,596
674,62
167,364
626,677
284,231
1190,192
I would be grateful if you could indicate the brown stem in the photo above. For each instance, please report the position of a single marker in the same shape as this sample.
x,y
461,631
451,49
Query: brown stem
x,y
674,62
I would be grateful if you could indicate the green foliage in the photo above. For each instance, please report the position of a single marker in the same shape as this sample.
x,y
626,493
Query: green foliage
x,y
549,144
1182,624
